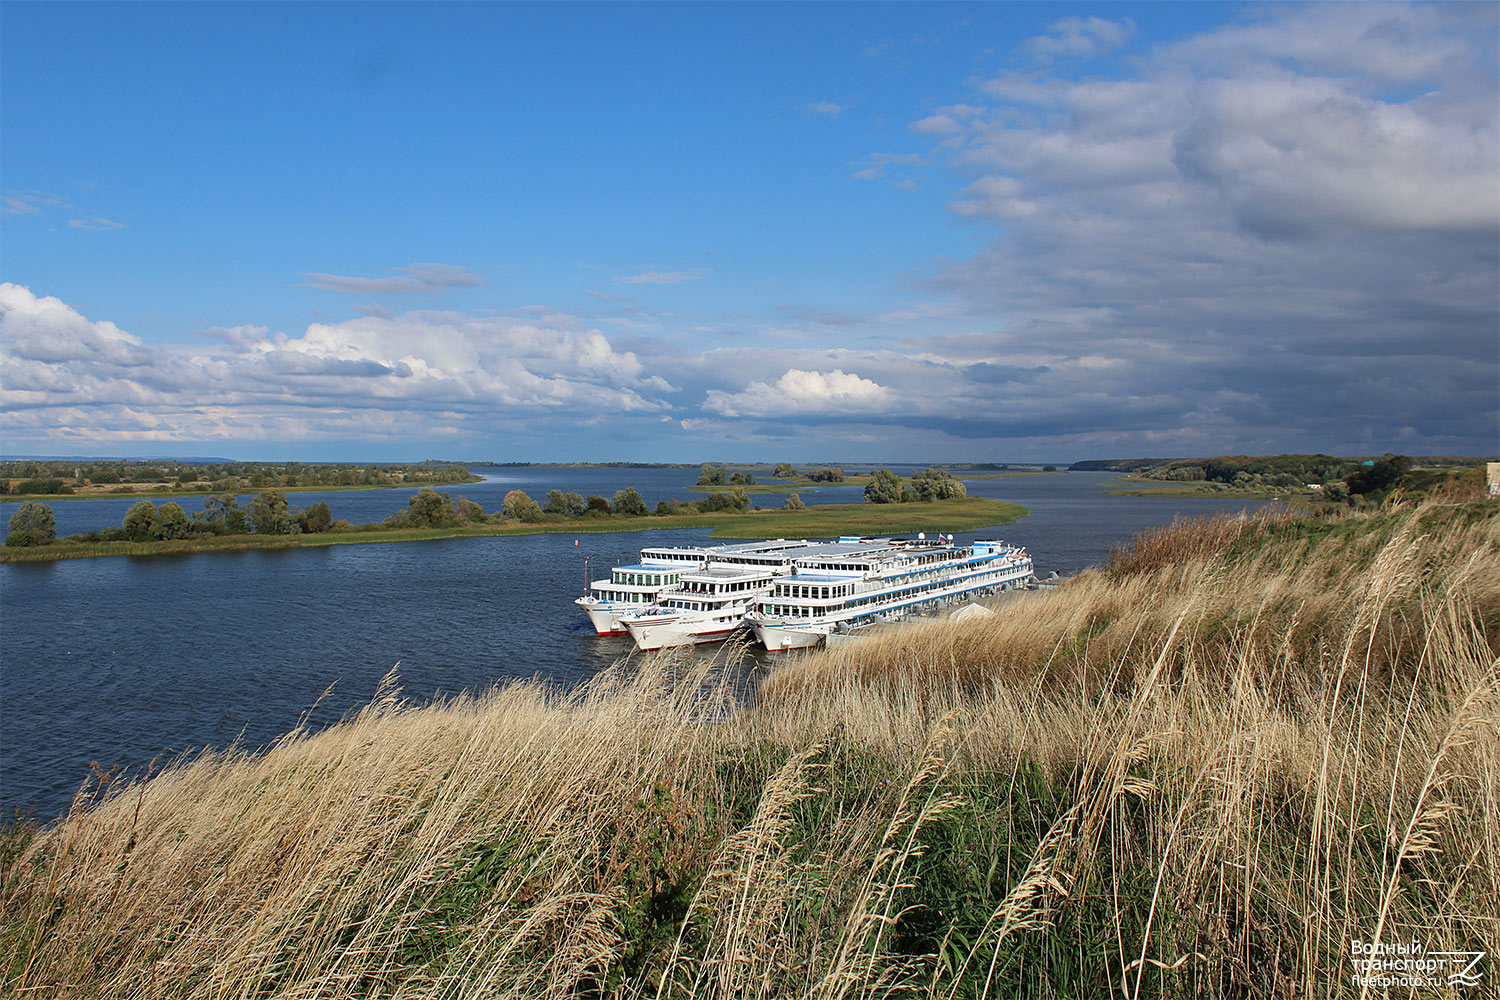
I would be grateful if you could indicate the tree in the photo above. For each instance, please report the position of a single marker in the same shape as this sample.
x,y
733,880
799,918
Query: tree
x,y
521,507
666,508
714,502
138,520
271,514
937,484
569,503
793,502
884,487
223,515
713,475
32,524
597,505
171,521
630,503
784,470
468,510
826,475
1382,475
315,519
430,509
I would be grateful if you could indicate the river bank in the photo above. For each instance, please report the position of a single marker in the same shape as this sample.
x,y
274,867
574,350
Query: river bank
x,y
962,514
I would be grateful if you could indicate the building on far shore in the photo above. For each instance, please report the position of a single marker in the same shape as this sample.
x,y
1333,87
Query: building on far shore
x,y
1492,473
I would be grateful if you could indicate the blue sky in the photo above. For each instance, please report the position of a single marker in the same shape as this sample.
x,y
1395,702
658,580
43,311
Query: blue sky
x,y
902,232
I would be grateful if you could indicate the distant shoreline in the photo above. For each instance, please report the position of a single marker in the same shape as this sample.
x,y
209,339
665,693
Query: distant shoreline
x,y
189,494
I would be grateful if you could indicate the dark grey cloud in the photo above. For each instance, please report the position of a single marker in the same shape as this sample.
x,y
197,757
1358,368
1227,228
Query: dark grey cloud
x,y
988,374
1283,231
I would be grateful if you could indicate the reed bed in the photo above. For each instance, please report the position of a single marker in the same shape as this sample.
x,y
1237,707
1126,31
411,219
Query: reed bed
x,y
1203,771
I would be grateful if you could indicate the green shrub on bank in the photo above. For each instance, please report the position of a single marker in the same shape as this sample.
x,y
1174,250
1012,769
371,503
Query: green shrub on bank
x,y
31,524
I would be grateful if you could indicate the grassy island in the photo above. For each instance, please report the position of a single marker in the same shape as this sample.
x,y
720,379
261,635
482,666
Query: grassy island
x,y
962,514
1202,771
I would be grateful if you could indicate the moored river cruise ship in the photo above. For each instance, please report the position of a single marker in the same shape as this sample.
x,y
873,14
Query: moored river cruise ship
x,y
634,587
709,603
836,591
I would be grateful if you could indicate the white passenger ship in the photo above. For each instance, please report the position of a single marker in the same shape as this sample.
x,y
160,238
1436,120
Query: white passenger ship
x,y
838,590
632,588
709,603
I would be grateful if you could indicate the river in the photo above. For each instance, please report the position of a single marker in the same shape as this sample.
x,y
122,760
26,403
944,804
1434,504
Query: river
x,y
124,659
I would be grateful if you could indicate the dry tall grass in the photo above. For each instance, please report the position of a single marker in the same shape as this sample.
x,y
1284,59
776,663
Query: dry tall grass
x,y
1200,772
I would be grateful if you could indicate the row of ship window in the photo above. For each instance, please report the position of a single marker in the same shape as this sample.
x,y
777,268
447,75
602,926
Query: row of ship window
x,y
722,588
645,579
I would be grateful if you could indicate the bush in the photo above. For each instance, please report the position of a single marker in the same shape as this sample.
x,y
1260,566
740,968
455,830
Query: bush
x,y
793,502
521,507
630,503
41,486
468,510
316,518
1380,477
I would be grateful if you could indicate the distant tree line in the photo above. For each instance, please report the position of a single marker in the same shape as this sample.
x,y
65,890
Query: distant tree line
x,y
1345,480
60,478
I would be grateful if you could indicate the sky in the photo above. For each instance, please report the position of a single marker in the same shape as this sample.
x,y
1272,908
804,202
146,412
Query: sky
x,y
748,232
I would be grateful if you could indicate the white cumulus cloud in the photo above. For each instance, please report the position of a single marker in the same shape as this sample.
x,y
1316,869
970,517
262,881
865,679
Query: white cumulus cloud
x,y
799,392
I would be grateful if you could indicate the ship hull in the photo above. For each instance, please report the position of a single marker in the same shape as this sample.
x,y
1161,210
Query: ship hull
x,y
679,633
605,617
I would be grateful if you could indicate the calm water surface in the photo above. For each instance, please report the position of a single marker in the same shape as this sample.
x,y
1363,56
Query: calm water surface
x,y
120,660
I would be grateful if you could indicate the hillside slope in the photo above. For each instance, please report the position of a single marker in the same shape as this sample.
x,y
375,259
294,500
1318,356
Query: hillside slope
x,y
1203,771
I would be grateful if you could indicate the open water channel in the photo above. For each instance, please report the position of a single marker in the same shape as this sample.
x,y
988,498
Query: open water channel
x,y
124,659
